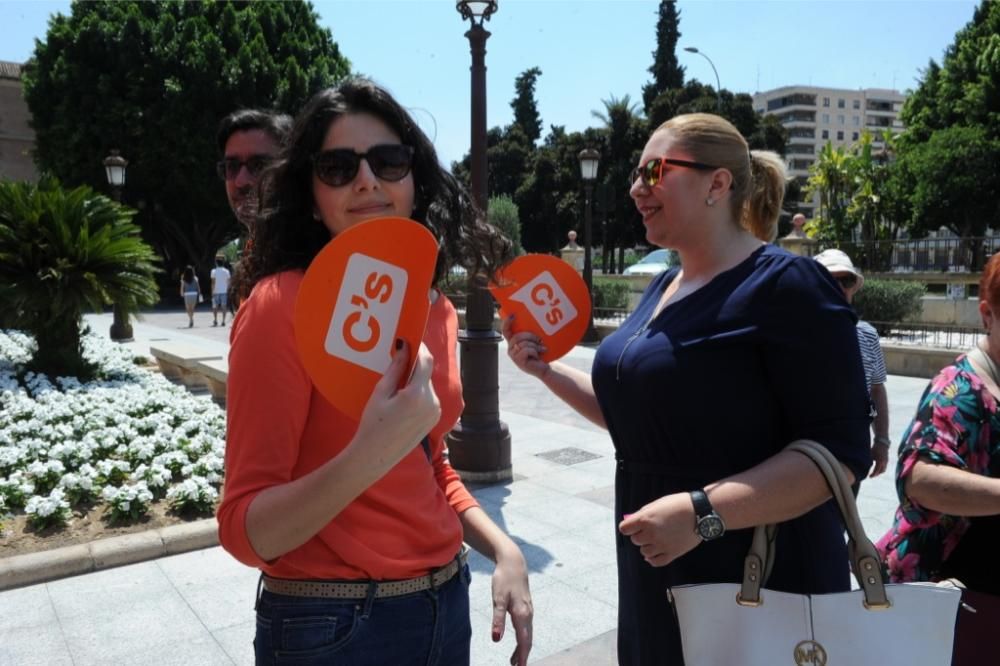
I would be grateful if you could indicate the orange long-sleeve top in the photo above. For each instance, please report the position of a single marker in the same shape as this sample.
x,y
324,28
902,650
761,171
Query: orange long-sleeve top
x,y
280,428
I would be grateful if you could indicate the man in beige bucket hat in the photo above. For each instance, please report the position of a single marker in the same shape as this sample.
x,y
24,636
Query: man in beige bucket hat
x,y
850,280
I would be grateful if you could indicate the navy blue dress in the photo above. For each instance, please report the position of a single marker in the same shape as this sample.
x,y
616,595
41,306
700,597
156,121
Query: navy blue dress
x,y
718,382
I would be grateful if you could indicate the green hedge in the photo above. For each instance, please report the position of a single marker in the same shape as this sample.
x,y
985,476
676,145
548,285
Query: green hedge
x,y
611,294
889,300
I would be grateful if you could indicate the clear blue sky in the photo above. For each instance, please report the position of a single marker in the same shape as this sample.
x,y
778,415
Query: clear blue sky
x,y
590,50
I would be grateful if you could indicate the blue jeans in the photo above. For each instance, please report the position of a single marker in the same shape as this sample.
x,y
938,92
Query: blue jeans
x,y
428,628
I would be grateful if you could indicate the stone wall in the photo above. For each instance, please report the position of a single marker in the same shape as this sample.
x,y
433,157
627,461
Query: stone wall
x,y
17,139
913,361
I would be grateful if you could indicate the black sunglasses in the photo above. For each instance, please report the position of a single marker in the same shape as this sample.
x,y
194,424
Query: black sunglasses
x,y
338,167
847,281
229,168
652,171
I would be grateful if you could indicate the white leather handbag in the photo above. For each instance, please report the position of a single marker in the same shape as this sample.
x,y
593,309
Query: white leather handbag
x,y
727,624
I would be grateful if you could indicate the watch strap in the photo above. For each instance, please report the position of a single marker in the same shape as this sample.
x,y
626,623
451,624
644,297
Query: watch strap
x,y
702,507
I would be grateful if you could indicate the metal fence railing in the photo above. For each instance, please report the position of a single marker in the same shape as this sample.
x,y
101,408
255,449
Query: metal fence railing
x,y
926,255
942,336
610,316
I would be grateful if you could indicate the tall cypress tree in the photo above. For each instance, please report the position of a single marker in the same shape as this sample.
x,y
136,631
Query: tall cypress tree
x,y
525,107
667,73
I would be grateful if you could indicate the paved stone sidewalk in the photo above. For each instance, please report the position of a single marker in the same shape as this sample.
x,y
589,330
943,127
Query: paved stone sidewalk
x,y
196,608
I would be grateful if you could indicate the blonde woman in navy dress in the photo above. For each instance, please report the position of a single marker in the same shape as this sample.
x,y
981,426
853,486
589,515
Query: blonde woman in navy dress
x,y
709,379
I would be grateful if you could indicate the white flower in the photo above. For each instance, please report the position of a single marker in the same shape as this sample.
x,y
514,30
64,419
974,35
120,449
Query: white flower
x,y
60,431
53,505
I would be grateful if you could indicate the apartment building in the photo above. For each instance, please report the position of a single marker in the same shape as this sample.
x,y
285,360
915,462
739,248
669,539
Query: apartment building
x,y
815,115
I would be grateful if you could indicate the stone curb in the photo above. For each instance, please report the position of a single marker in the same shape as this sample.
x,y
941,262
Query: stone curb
x,y
22,570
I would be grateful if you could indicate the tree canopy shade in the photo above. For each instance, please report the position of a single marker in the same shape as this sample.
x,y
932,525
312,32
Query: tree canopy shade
x,y
153,79
956,183
951,147
965,89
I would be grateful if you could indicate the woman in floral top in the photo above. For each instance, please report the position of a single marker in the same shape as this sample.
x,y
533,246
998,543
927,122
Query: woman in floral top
x,y
948,476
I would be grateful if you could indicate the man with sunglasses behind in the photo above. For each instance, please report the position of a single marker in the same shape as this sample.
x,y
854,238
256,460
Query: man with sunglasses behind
x,y
248,140
850,280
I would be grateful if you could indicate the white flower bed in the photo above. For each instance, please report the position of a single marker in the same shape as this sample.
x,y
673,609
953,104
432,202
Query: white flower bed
x,y
128,439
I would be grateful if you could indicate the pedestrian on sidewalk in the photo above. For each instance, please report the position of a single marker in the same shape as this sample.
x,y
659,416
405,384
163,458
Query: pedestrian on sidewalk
x,y
707,381
358,528
220,289
851,280
190,292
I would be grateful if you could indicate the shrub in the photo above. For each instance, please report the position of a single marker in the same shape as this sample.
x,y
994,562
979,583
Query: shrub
x,y
505,216
889,301
631,257
611,294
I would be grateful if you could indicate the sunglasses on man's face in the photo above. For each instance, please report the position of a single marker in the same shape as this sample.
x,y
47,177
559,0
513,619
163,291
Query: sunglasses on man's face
x,y
651,172
338,167
847,281
229,168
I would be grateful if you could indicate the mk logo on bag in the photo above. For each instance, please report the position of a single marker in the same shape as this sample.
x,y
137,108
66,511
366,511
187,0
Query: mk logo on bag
x,y
809,653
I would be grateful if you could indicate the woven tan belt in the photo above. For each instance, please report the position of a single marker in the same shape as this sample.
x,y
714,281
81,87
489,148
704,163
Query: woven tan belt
x,y
359,590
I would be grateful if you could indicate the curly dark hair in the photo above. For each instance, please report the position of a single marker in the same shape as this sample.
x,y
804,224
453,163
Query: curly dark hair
x,y
287,236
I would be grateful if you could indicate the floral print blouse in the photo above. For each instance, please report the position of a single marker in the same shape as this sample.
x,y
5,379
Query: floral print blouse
x,y
957,424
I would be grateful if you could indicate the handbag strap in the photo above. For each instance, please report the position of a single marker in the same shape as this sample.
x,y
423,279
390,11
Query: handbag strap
x,y
865,562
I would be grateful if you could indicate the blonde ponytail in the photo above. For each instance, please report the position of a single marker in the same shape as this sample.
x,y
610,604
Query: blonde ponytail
x,y
767,191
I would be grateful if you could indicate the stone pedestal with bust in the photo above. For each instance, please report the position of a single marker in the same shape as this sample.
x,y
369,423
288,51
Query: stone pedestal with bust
x,y
572,253
797,242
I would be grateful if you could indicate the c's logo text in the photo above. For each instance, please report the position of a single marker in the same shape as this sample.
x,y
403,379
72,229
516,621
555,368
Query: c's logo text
x,y
366,313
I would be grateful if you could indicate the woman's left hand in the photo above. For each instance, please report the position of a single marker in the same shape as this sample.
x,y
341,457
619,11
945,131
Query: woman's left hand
x,y
511,596
663,530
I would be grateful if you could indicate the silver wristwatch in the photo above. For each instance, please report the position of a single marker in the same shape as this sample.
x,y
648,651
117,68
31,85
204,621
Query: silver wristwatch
x,y
708,524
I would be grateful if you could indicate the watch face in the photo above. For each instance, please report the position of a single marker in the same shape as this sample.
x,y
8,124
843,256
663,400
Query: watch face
x,y
711,527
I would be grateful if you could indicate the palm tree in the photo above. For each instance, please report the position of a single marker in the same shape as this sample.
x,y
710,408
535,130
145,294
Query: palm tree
x,y
831,176
62,252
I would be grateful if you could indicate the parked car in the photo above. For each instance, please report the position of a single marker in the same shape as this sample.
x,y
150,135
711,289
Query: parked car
x,y
653,263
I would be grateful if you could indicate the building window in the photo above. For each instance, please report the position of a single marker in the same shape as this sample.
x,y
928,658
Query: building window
x,y
840,135
854,136
857,121
826,101
840,103
840,119
856,104
826,134
826,118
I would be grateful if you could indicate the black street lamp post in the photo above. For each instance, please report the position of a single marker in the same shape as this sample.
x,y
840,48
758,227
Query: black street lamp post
x,y
114,168
718,86
589,159
479,446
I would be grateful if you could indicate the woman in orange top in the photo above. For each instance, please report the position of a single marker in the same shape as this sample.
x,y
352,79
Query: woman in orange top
x,y
357,527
